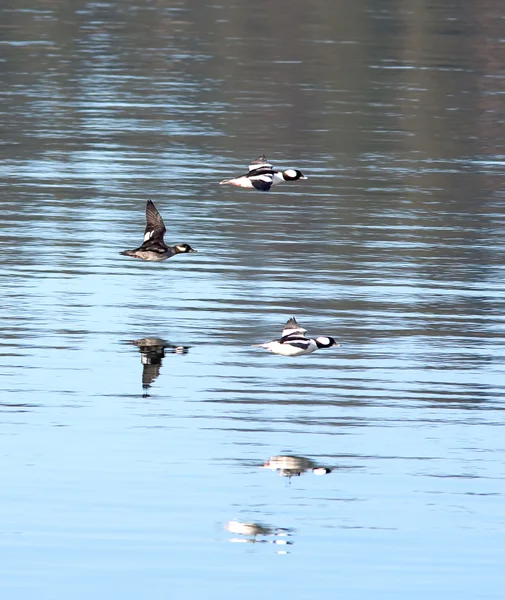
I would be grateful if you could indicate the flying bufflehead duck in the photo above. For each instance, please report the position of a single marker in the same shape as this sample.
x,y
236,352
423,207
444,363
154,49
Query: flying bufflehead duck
x,y
262,177
154,248
293,341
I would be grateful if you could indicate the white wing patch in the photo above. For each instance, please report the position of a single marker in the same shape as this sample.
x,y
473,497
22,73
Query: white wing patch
x,y
265,178
300,330
257,165
148,235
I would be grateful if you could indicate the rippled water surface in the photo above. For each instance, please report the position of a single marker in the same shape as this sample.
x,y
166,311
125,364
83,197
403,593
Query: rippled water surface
x,y
135,469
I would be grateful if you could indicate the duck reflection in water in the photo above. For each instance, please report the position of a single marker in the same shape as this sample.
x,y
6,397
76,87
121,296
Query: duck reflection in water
x,y
293,466
258,532
152,350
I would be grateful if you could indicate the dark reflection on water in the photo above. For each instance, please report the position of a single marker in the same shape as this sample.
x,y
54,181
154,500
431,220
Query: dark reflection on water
x,y
152,351
395,246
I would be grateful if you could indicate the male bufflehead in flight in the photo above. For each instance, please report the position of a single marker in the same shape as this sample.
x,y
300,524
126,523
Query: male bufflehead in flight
x,y
293,341
154,248
262,177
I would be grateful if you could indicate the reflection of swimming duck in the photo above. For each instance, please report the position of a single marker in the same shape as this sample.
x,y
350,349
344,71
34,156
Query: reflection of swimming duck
x,y
294,466
262,177
294,342
152,350
154,248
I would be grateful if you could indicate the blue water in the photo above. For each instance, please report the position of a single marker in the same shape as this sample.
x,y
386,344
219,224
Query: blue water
x,y
122,470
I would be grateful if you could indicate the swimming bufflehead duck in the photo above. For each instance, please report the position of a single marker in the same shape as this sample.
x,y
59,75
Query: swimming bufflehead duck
x,y
293,341
154,248
262,177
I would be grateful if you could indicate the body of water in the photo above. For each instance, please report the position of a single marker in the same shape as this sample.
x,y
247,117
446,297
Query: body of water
x,y
182,466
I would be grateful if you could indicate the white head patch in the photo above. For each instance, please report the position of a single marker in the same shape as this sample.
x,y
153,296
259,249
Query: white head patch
x,y
290,172
324,340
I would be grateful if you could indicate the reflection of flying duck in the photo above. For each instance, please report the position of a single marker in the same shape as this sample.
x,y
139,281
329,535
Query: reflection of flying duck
x,y
262,177
294,466
152,351
251,531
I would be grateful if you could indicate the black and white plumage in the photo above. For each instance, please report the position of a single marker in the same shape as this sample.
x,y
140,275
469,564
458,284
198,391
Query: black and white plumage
x,y
262,176
154,248
294,342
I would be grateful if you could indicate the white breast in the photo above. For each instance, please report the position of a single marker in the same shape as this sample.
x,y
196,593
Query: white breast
x,y
278,178
243,182
289,350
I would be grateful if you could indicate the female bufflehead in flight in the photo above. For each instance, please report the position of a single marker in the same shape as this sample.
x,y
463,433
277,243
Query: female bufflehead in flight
x,y
293,341
262,177
154,248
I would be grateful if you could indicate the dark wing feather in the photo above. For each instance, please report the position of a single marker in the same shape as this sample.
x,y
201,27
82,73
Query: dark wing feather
x,y
155,228
292,324
149,374
292,328
262,182
261,170
152,357
260,162
156,246
296,340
